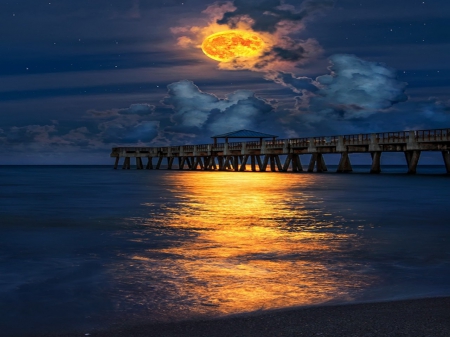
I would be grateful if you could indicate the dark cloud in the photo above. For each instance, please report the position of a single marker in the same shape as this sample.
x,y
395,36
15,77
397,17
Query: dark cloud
x,y
135,124
288,52
267,15
138,109
30,134
296,84
119,131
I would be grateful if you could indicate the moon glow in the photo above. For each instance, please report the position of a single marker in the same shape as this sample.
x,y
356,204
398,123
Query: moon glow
x,y
228,45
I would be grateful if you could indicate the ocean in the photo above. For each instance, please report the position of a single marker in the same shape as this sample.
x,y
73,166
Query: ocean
x,y
88,247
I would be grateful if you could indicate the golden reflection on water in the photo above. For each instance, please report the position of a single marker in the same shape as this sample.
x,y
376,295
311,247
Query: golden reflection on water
x,y
255,243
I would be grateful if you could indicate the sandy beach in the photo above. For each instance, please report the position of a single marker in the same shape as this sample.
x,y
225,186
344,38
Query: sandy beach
x,y
421,317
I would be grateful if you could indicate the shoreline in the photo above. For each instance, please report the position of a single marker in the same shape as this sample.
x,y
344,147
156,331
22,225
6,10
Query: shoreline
x,y
414,317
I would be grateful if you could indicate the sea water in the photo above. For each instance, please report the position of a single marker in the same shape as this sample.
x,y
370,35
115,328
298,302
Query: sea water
x,y
88,247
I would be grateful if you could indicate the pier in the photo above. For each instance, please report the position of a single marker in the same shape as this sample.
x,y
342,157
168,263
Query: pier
x,y
265,154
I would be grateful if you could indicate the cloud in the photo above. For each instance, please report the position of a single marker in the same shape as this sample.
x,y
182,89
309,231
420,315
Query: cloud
x,y
192,106
135,124
30,134
296,84
246,112
354,88
271,15
47,138
120,131
141,109
203,113
138,109
357,88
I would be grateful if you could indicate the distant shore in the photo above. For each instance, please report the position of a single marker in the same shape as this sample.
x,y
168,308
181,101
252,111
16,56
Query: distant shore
x,y
420,317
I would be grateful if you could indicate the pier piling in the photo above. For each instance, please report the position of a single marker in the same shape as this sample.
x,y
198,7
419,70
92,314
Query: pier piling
x,y
149,164
344,164
413,157
446,156
376,162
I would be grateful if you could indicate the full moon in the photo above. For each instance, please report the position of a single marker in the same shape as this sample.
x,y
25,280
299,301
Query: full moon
x,y
230,44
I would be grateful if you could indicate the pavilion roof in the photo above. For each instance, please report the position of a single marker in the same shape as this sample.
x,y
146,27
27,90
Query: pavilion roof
x,y
245,134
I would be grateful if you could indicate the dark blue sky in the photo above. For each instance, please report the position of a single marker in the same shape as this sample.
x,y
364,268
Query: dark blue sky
x,y
78,77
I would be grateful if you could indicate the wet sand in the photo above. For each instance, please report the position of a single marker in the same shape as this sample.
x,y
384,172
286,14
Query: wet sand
x,y
422,317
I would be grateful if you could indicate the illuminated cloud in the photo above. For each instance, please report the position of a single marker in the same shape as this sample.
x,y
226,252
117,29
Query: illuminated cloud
x,y
357,88
192,106
200,113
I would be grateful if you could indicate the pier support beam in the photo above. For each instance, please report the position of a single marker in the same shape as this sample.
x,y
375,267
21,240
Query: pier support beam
x,y
296,163
194,163
318,162
253,163
272,163
321,161
263,167
201,161
181,161
116,164
344,164
213,163
408,156
244,163
260,166
278,162
446,156
170,162
293,159
149,164
158,165
376,162
189,162
228,163
220,161
412,159
287,162
126,163
139,165
206,163
236,163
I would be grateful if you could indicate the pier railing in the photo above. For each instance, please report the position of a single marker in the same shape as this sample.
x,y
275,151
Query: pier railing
x,y
399,137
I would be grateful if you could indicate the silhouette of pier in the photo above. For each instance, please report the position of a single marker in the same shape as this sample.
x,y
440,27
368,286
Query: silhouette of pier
x,y
265,154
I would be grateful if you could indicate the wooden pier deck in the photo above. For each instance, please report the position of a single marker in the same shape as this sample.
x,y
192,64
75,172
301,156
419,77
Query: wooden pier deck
x,y
265,155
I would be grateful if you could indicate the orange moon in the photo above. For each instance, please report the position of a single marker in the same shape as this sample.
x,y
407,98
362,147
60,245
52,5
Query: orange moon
x,y
228,45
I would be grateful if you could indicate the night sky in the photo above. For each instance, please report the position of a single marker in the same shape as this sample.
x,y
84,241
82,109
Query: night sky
x,y
79,77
